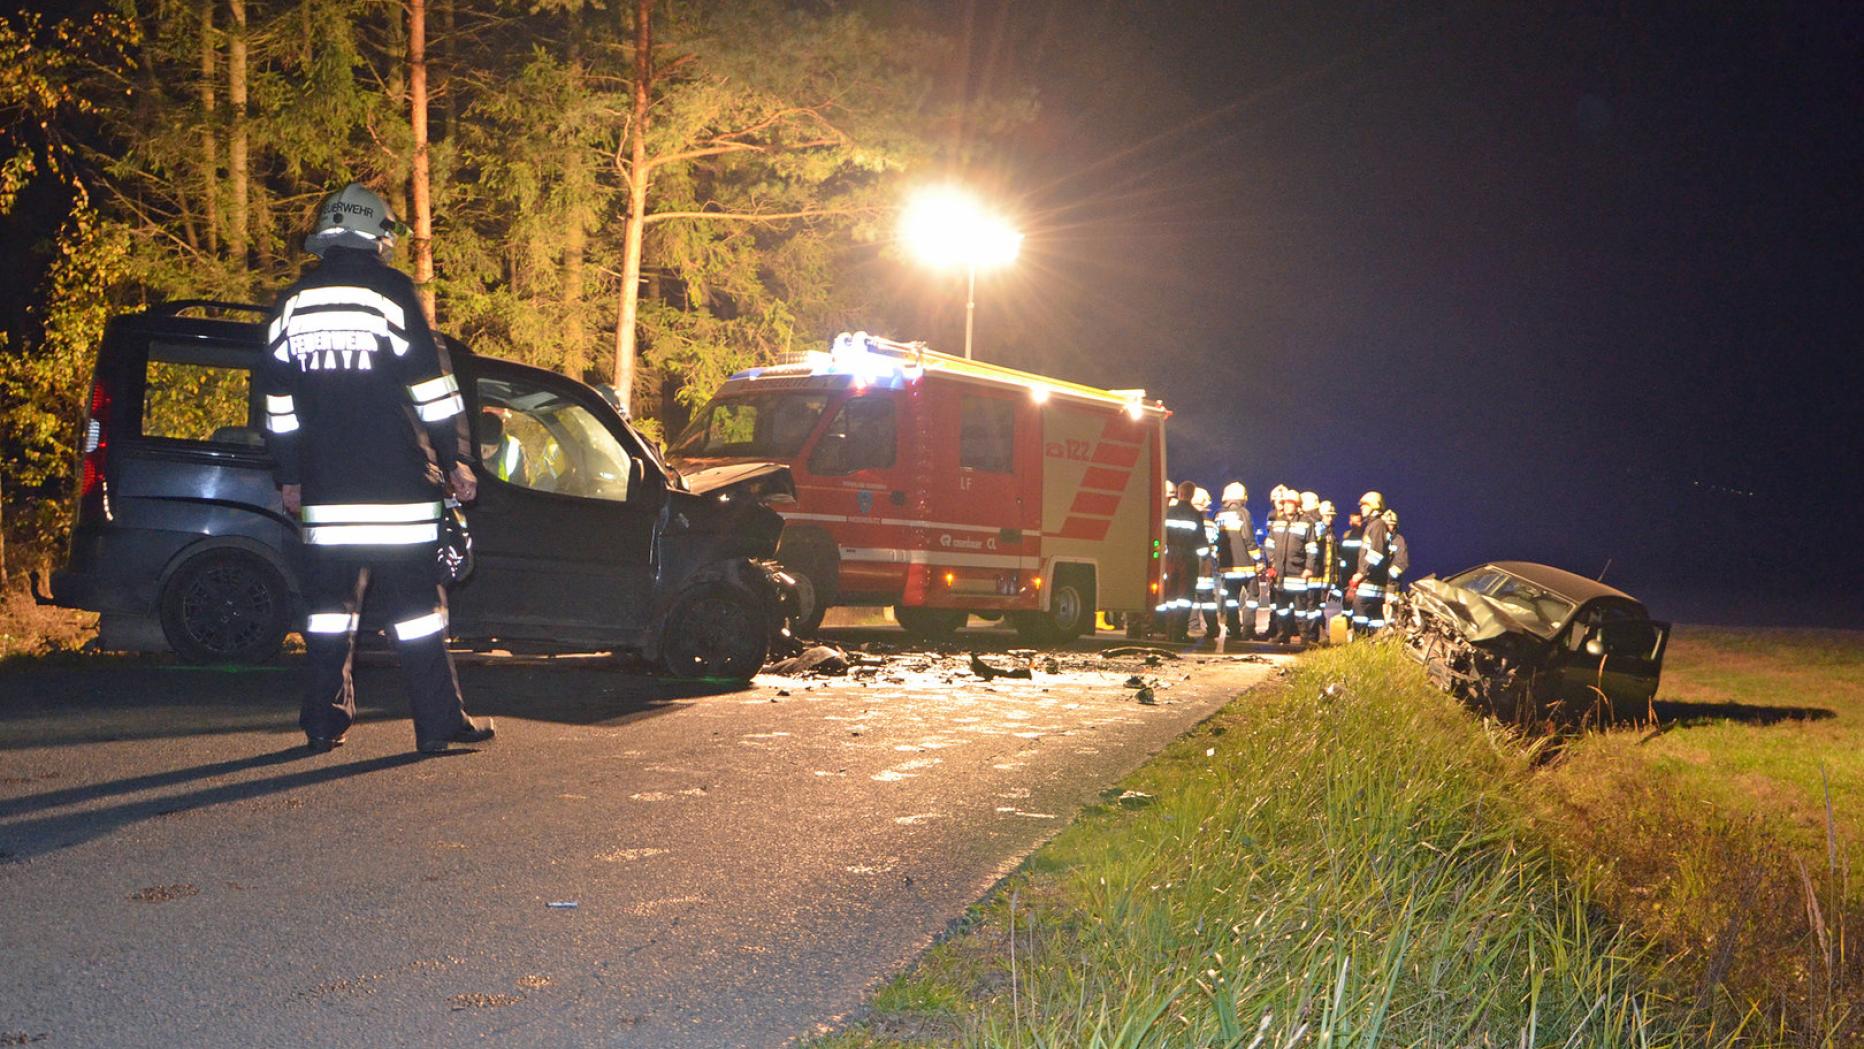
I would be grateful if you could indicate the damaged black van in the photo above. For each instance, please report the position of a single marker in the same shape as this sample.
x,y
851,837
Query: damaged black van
x,y
582,537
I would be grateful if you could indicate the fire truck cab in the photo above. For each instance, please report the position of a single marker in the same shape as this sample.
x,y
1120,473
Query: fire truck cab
x,y
944,487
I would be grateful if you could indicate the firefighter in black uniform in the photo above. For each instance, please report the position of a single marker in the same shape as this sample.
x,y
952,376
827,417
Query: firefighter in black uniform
x,y
1373,571
1314,603
1209,597
362,421
1286,552
1349,558
1321,586
1184,533
1401,560
1240,559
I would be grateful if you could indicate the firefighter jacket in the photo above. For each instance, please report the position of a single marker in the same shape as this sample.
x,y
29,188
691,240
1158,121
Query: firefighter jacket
x,y
1326,568
1401,557
1349,553
1375,552
362,408
1184,533
1289,547
1237,552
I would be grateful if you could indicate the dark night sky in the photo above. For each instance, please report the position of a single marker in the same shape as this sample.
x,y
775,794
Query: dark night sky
x,y
1567,282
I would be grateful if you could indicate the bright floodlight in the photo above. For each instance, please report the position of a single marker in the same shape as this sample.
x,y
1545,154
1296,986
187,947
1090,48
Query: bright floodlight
x,y
947,227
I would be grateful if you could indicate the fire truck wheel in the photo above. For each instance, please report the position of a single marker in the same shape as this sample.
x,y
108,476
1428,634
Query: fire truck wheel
x,y
812,563
225,606
1070,614
929,624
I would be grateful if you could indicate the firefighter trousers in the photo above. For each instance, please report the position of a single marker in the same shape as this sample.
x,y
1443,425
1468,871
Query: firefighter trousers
x,y
417,606
1369,608
1240,604
1290,609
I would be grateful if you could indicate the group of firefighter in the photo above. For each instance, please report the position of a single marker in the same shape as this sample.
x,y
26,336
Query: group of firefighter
x,y
1217,571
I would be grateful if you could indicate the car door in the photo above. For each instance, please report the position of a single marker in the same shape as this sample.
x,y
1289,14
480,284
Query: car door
x,y
1614,650
563,527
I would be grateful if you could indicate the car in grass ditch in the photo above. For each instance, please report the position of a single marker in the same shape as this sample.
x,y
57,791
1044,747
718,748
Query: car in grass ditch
x,y
582,537
1532,644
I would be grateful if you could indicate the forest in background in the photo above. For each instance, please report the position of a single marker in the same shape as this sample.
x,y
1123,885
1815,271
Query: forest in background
x,y
734,161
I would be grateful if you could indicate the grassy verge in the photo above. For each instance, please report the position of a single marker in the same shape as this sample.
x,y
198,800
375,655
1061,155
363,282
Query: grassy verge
x,y
1341,859
1729,838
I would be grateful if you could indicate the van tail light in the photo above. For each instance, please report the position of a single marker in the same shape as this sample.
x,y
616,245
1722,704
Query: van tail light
x,y
93,496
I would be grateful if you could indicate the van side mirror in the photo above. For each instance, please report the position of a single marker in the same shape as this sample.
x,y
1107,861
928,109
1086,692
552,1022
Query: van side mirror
x,y
1595,645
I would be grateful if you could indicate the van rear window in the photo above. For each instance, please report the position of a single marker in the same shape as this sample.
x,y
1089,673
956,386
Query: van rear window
x,y
196,394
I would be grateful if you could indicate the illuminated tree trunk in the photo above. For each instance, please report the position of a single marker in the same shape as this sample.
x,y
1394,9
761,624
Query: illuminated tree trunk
x,y
630,292
210,142
421,189
238,239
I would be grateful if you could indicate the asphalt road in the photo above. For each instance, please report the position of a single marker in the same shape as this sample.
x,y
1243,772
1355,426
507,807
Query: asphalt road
x,y
737,867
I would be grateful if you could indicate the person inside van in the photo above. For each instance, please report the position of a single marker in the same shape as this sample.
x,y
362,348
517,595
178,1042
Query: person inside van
x,y
500,451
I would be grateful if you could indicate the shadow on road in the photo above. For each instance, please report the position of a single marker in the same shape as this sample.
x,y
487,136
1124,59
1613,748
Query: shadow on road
x,y
60,703
27,838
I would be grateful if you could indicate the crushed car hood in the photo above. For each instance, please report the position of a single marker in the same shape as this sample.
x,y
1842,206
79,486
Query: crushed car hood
x,y
1481,619
712,478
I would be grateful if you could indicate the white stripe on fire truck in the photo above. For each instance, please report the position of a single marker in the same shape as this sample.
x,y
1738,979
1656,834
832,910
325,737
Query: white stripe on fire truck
x,y
936,558
898,523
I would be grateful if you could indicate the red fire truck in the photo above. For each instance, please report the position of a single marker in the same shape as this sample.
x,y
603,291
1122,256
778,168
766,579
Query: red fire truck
x,y
945,487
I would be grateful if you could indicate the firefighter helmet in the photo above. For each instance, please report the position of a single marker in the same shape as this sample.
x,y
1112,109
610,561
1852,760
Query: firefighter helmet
x,y
1372,499
354,217
1200,500
1391,519
1285,494
1234,492
1310,502
1326,508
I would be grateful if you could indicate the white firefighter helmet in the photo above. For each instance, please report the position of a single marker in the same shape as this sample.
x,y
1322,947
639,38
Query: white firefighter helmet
x,y
1391,519
354,217
1326,508
1200,500
1285,494
1234,492
1310,502
1372,499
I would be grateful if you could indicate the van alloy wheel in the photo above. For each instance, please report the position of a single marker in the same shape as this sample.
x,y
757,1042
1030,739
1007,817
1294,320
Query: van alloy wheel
x,y
225,606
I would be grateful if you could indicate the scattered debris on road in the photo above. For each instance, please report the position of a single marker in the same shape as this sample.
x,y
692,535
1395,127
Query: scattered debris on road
x,y
1152,654
816,661
988,672
164,893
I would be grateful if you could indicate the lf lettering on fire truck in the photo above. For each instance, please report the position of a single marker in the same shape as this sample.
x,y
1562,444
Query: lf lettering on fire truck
x,y
945,487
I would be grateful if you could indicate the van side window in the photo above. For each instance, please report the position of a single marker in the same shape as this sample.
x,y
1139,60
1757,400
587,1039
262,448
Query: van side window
x,y
987,434
862,436
534,437
196,393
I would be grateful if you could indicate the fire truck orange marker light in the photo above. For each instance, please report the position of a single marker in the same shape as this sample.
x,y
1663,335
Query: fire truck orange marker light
x,y
950,578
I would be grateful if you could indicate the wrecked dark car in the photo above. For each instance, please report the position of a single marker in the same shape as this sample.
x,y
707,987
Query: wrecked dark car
x,y
1532,644
583,538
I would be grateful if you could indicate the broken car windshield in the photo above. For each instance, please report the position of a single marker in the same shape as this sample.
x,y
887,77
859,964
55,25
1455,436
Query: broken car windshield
x,y
765,426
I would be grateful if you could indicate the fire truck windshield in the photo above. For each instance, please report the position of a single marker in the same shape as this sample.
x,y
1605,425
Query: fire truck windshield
x,y
763,426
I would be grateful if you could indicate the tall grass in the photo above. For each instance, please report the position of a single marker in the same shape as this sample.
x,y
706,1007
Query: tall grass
x,y
1334,861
